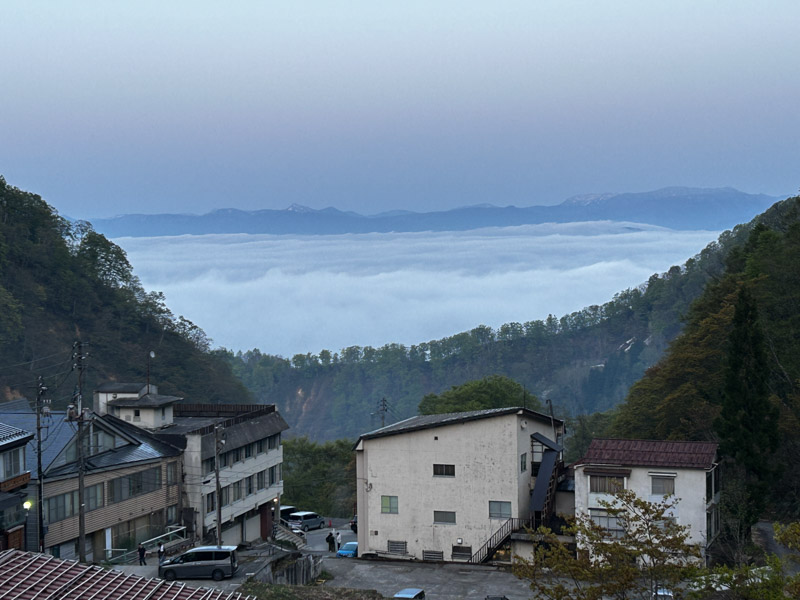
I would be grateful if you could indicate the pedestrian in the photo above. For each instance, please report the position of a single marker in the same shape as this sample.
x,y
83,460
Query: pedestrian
x,y
338,540
162,553
142,552
331,541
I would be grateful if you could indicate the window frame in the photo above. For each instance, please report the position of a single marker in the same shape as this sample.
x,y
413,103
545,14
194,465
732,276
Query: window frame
x,y
445,470
390,505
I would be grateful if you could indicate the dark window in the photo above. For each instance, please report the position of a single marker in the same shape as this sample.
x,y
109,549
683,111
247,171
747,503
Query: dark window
x,y
444,516
444,470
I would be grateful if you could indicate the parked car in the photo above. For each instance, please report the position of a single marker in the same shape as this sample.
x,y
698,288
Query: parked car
x,y
354,524
305,520
410,593
348,550
663,594
216,562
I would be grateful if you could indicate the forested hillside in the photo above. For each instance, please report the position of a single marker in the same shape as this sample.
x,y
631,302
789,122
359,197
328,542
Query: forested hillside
x,y
62,282
733,376
584,362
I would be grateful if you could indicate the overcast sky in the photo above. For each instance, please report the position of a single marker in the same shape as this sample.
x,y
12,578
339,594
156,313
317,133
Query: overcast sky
x,y
291,295
186,106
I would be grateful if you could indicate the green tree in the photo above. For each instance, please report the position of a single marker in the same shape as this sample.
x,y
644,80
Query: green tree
x,y
495,391
646,549
747,423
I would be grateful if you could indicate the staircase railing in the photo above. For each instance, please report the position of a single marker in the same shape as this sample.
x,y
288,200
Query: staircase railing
x,y
497,539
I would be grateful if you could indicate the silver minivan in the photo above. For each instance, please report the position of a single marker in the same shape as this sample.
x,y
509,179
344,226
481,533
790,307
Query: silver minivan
x,y
216,562
305,520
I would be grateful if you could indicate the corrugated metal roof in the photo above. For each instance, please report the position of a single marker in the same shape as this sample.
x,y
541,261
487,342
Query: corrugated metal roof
x,y
429,421
30,576
10,434
651,453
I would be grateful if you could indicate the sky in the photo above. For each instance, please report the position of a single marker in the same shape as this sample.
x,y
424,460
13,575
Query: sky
x,y
124,107
288,295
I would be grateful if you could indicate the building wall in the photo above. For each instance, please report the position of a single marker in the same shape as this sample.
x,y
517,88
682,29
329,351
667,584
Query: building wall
x,y
199,484
110,514
690,490
486,454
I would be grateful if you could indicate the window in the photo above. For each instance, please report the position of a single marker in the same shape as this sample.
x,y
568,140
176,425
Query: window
x,y
260,447
163,413
137,416
210,503
523,462
13,463
236,487
389,505
444,516
248,451
224,460
225,495
94,496
444,470
461,552
208,466
172,473
499,509
605,484
662,485
135,484
609,522
274,441
172,514
273,475
237,455
249,489
61,507
261,480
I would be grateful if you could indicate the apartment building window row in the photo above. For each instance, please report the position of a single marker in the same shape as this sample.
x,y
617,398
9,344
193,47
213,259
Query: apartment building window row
x,y
135,484
64,506
243,453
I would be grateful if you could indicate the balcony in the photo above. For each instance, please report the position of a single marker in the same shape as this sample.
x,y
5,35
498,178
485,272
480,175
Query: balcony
x,y
15,482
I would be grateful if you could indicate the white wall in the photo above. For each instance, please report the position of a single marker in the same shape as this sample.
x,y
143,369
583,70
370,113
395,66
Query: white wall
x,y
690,491
486,454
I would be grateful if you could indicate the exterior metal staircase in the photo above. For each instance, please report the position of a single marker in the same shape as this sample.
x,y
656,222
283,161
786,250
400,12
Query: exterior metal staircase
x,y
285,534
498,539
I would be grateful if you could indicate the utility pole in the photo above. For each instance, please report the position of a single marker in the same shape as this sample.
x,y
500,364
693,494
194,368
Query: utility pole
x,y
383,408
218,444
40,408
80,365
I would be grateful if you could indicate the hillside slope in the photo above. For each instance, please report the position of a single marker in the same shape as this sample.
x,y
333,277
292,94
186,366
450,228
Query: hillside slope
x,y
61,283
584,362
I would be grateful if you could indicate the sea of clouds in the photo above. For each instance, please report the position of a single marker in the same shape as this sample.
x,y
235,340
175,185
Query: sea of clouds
x,y
296,294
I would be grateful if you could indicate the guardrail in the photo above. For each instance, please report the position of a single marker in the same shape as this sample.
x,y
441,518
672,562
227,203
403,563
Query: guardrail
x,y
174,534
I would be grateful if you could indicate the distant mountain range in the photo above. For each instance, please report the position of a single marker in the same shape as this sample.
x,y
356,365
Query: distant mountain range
x,y
673,207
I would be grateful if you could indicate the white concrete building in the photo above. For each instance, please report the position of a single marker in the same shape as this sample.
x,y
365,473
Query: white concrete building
x,y
250,456
455,486
653,469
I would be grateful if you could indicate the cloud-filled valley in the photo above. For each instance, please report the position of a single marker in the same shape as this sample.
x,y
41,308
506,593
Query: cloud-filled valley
x,y
297,294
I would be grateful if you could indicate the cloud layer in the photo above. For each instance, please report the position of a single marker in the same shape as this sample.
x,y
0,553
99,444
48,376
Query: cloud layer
x,y
287,295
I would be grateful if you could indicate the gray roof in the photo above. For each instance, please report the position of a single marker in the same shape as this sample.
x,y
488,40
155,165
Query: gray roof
x,y
10,434
59,432
56,434
430,421
146,401
144,447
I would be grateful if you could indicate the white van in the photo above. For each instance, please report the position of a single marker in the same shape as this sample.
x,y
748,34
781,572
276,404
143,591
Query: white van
x,y
216,562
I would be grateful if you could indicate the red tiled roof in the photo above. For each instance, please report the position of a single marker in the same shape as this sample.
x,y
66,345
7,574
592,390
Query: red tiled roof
x,y
651,453
31,576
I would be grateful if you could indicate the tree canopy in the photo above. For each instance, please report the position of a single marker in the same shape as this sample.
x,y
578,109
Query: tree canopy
x,y
494,391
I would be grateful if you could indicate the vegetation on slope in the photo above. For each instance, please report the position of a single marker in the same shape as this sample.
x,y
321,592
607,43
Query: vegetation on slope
x,y
734,374
583,362
62,282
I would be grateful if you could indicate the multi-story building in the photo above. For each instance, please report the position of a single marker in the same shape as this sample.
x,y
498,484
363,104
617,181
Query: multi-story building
x,y
653,469
243,439
14,478
456,486
132,484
